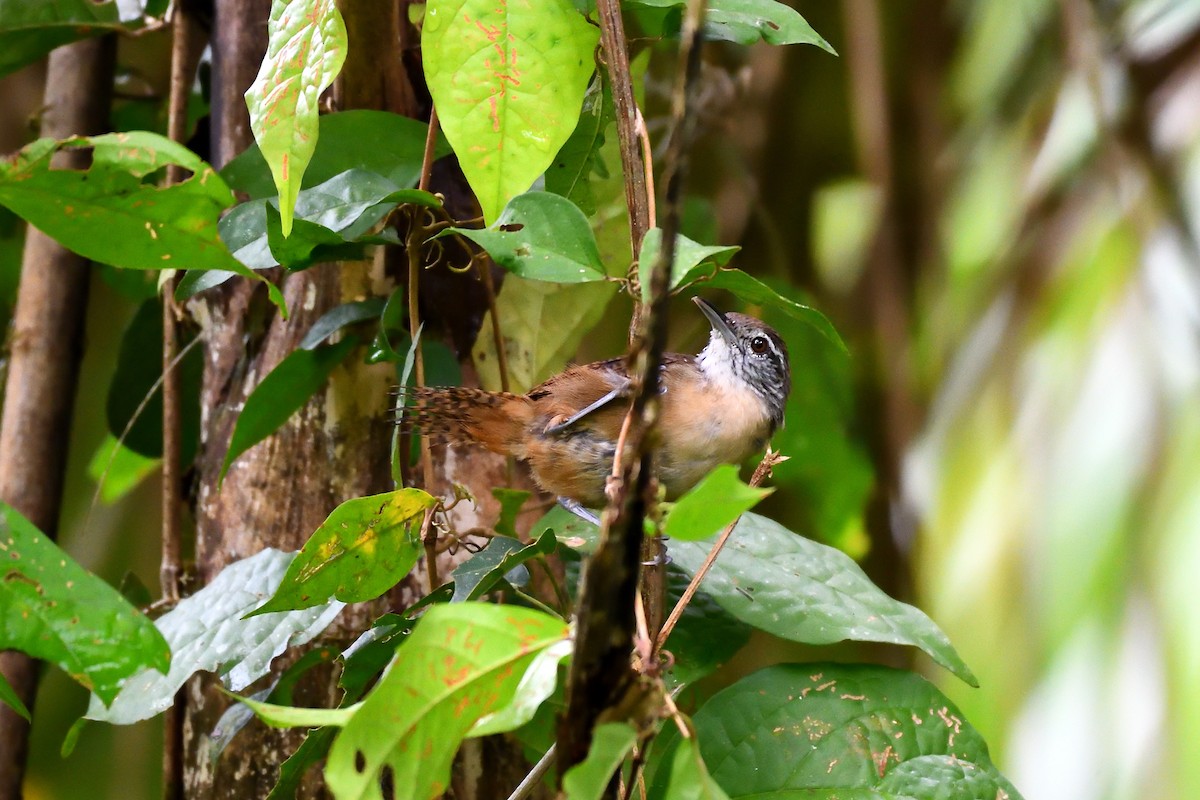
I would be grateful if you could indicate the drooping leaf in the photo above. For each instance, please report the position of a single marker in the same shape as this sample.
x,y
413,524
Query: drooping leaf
x,y
282,392
689,778
295,717
339,317
570,173
754,291
306,45
361,550
543,325
612,743
711,505
57,611
691,259
502,559
804,591
462,662
8,696
387,144
508,81
206,632
840,730
107,214
540,236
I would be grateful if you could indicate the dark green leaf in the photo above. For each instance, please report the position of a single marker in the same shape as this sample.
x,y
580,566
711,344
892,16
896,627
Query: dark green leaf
x,y
283,392
363,549
389,145
307,244
8,696
804,591
841,731
57,611
339,317
541,236
511,501
462,662
706,636
207,632
710,505
571,171
306,45
29,30
612,743
692,260
502,559
749,21
139,368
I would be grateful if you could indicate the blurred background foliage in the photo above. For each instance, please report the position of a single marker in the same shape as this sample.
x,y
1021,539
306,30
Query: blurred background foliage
x,y
997,203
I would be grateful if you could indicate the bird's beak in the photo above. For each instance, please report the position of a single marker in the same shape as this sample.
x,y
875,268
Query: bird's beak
x,y
717,320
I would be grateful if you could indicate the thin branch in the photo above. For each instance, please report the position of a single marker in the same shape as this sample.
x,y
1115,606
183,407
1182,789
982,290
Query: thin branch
x,y
761,473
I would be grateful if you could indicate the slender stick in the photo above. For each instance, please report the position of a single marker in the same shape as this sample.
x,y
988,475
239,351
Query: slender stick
x,y
769,460
485,271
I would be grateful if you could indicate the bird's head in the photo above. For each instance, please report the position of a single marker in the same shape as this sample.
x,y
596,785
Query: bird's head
x,y
742,348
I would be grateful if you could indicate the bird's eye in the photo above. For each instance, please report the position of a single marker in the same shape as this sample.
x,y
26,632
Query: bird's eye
x,y
758,345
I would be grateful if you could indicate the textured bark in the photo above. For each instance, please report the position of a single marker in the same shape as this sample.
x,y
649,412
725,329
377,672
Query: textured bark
x,y
46,348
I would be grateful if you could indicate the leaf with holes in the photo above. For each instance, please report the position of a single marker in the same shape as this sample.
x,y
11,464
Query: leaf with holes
x,y
462,661
207,633
541,236
508,81
361,550
808,592
56,610
108,214
282,393
306,45
839,730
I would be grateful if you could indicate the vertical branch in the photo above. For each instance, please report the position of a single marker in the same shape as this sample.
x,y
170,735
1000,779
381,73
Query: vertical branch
x,y
600,676
47,342
414,248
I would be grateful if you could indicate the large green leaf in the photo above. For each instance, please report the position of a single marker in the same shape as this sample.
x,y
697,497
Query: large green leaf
x,y
462,661
108,214
387,144
207,632
29,30
840,731
57,611
306,46
361,550
571,172
541,236
711,505
808,592
508,81
282,392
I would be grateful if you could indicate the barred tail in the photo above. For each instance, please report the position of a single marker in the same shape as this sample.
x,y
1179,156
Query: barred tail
x,y
496,420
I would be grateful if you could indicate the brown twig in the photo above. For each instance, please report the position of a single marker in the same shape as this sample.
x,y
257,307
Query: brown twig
x,y
761,473
485,271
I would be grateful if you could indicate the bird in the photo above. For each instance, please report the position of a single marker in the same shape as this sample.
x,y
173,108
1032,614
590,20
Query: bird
x,y
717,407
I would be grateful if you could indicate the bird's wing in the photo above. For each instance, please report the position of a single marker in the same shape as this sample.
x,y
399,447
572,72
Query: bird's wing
x,y
581,392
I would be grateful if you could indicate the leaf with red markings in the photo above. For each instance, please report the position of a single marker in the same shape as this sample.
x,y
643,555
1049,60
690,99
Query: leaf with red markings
x,y
306,47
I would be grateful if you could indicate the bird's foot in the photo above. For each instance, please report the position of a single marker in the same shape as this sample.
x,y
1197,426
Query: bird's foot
x,y
576,508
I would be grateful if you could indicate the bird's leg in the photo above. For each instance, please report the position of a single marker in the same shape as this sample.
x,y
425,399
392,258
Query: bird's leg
x,y
576,508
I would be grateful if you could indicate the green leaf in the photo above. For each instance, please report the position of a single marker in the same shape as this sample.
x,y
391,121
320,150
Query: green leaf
x,y
543,237
710,505
543,325
750,21
537,684
206,633
755,292
612,743
804,591
502,559
108,214
706,636
841,731
8,696
293,717
30,30
691,259
570,174
508,82
689,778
117,470
339,317
387,144
57,611
511,501
570,530
361,550
139,369
306,45
462,662
282,392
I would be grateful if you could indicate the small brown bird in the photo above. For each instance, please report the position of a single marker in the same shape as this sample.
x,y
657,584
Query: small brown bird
x,y
717,407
